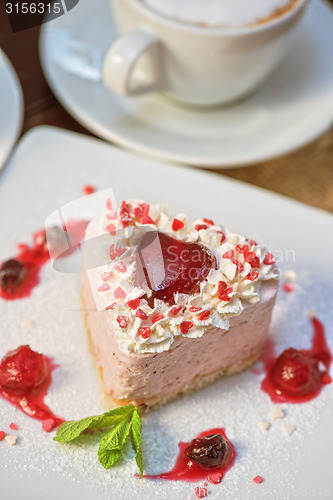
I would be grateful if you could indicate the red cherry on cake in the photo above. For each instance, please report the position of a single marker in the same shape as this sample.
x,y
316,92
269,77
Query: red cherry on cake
x,y
22,370
296,373
209,451
166,265
12,273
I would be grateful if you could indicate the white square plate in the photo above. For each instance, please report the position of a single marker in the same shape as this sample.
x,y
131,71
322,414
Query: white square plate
x,y
48,169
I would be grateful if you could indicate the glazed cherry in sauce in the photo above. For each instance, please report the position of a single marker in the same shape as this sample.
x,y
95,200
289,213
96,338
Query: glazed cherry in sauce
x,y
297,376
167,265
19,275
209,456
12,273
25,377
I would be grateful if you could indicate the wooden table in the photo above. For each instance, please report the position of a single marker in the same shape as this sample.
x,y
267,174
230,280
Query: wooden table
x,y
305,175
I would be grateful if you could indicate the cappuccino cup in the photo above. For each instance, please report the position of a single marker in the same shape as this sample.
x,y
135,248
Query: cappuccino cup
x,y
199,52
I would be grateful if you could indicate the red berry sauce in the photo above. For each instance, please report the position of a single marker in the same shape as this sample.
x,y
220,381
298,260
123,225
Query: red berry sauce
x,y
167,265
88,189
209,456
297,376
25,377
19,275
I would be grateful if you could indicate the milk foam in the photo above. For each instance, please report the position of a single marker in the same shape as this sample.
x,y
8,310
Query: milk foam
x,y
218,12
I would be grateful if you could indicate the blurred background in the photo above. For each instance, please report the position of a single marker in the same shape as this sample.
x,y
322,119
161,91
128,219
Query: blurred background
x,y
305,175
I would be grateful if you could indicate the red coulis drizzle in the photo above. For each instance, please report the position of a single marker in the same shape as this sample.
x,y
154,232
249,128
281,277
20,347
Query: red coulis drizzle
x,y
295,376
32,258
25,377
186,469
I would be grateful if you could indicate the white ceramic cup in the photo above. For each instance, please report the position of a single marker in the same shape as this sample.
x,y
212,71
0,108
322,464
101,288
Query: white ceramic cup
x,y
191,63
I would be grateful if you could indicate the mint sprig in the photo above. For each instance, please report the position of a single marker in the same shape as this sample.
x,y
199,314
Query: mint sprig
x,y
136,440
124,420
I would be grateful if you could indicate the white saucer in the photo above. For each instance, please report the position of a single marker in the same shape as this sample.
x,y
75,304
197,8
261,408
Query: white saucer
x,y
11,108
292,108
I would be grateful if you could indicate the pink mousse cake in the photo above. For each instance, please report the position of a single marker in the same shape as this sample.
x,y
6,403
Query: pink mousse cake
x,y
170,305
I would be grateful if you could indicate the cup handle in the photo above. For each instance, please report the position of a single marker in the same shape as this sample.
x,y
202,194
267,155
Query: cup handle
x,y
122,59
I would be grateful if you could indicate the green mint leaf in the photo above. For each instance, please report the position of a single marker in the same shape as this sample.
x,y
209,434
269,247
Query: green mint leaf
x,y
113,442
113,417
72,429
136,440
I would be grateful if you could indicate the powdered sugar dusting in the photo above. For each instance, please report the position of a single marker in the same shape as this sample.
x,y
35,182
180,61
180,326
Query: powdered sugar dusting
x,y
237,403
41,468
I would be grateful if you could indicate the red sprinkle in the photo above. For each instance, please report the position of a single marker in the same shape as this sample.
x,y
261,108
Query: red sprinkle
x,y
200,492
106,276
204,315
175,310
88,189
228,255
145,217
116,251
186,326
119,293
257,479
2,435
252,259
222,237
124,214
242,249
224,291
111,306
144,332
288,287
104,288
252,276
177,224
269,259
109,204
198,227
48,424
209,221
13,426
111,228
252,243
141,314
122,320
134,303
157,318
121,267
195,309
